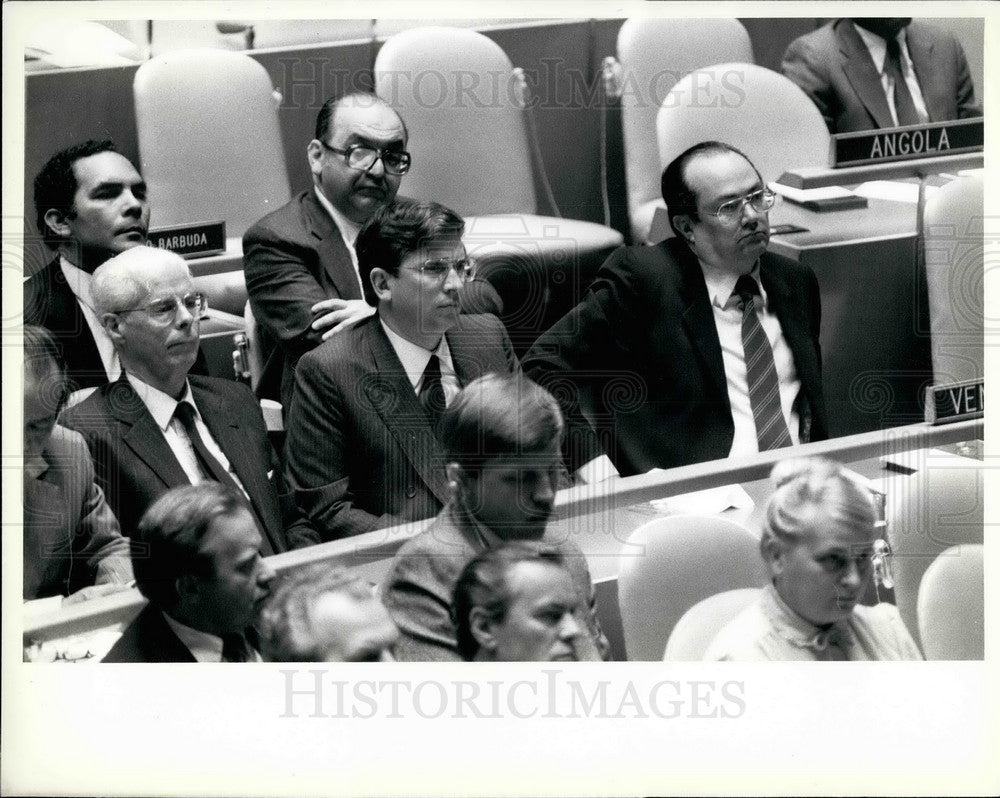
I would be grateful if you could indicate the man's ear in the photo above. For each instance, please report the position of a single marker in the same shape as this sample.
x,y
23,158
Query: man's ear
x,y
57,222
773,552
481,626
111,323
682,222
314,153
188,586
381,284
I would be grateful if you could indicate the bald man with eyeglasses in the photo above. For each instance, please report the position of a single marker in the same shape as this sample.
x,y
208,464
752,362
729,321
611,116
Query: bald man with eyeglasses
x,y
158,426
702,347
300,261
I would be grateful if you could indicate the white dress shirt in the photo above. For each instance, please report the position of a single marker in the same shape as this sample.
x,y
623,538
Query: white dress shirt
x,y
729,324
161,407
415,358
348,232
79,283
204,646
877,48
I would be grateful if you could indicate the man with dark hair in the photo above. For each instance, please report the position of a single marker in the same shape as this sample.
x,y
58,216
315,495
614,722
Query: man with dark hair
x,y
877,72
158,426
702,347
72,544
517,604
501,438
300,260
90,204
324,614
361,450
196,555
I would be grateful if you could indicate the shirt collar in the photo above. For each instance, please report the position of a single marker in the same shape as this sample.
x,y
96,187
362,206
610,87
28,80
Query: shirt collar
x,y
414,358
204,646
161,406
348,230
800,632
877,47
721,285
78,281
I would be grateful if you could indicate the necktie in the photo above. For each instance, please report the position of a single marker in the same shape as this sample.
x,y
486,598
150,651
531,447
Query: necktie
x,y
906,111
210,466
235,648
762,377
431,394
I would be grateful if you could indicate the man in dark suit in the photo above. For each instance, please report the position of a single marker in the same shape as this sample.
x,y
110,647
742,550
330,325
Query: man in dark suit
x,y
877,72
72,544
196,555
156,427
702,347
361,450
300,261
90,204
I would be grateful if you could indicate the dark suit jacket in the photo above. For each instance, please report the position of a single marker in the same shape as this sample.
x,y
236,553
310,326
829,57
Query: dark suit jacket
x,y
135,465
71,537
149,639
49,302
640,355
833,66
418,588
361,453
293,258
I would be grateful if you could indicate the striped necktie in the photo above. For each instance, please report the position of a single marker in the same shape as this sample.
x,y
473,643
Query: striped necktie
x,y
762,377
431,394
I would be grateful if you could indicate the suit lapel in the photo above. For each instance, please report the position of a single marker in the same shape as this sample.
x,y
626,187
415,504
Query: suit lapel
x,y
860,71
699,324
142,435
333,252
392,396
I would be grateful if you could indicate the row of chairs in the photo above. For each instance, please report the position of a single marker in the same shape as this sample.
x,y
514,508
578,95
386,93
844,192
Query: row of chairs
x,y
682,578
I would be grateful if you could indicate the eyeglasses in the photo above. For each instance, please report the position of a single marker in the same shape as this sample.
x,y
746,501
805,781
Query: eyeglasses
x,y
438,268
164,311
760,201
362,157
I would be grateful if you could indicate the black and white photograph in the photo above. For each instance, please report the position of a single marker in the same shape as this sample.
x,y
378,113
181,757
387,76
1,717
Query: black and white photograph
x,y
603,382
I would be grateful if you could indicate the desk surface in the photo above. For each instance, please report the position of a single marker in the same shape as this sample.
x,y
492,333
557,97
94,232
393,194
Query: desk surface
x,y
882,219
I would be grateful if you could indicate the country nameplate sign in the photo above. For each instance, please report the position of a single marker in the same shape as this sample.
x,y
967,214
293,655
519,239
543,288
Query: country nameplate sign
x,y
190,240
907,143
957,401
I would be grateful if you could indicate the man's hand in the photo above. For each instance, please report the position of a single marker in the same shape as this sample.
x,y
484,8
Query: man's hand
x,y
339,314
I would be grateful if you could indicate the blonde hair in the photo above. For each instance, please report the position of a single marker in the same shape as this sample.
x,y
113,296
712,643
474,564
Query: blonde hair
x,y
808,491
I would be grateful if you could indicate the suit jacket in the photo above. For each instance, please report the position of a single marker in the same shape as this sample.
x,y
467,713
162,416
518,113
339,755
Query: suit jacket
x,y
361,453
49,302
149,639
640,358
71,537
135,465
418,588
293,258
833,66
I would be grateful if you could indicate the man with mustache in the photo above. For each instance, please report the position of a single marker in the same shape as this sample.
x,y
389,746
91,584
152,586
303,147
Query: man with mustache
x,y
702,347
300,261
878,72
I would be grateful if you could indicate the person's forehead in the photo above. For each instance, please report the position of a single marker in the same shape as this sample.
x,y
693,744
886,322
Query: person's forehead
x,y
720,175
164,277
104,167
535,583
445,246
369,121
541,459
232,539
828,535
347,620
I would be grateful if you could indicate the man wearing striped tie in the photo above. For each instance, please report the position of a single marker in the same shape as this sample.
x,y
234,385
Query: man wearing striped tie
x,y
702,347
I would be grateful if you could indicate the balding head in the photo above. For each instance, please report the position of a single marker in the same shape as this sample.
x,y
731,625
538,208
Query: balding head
x,y
126,279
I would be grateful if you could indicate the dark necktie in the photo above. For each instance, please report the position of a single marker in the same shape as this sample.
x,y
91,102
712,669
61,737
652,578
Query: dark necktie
x,y
431,394
235,648
210,466
762,377
906,111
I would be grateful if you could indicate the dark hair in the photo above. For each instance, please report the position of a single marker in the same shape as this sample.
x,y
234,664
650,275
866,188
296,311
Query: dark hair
x,y
499,414
168,541
678,196
399,228
285,622
56,184
41,357
327,117
483,583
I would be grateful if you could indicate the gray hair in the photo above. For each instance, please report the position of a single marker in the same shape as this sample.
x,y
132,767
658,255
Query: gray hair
x,y
123,281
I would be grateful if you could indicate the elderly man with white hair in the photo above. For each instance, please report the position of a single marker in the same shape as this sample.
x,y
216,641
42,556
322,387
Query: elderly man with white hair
x,y
159,427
